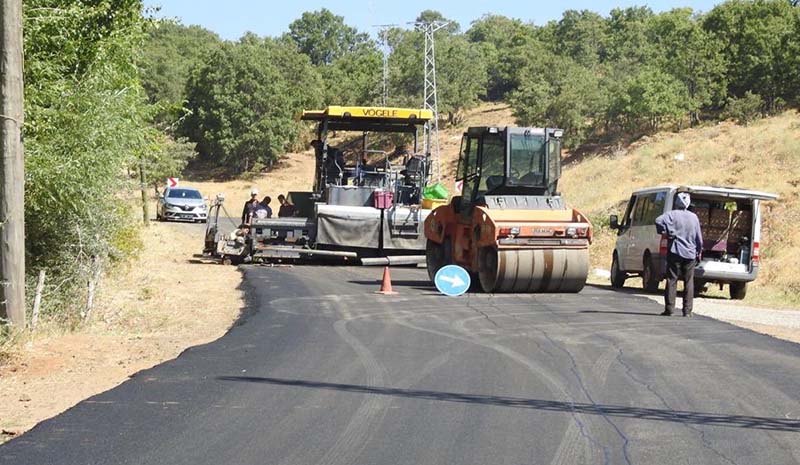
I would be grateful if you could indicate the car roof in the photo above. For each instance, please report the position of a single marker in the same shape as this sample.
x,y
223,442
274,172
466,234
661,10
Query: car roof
x,y
733,192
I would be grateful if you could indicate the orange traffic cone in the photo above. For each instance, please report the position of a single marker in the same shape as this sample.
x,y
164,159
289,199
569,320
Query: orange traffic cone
x,y
386,285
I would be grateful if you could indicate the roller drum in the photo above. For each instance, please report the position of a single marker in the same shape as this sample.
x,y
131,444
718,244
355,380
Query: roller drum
x,y
533,270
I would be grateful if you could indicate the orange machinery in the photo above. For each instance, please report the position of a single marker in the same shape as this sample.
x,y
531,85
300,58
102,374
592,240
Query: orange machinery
x,y
510,228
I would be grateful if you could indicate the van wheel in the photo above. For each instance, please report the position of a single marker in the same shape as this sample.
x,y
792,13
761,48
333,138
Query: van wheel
x,y
617,276
737,290
649,280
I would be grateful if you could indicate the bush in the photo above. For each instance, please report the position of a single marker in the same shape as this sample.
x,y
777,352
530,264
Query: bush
x,y
744,110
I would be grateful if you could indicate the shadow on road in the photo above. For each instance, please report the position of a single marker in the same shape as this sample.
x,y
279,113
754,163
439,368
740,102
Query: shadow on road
x,y
419,284
619,411
620,313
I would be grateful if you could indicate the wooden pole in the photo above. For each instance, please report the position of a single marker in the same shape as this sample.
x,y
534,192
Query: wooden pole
x,y
143,186
12,168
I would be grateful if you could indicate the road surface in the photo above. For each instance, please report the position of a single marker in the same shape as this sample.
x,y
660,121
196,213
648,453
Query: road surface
x,y
324,371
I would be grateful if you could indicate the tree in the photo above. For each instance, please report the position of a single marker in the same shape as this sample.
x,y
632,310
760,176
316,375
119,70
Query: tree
x,y
582,36
324,37
691,55
649,99
85,124
761,48
243,100
504,43
354,78
170,52
627,35
558,92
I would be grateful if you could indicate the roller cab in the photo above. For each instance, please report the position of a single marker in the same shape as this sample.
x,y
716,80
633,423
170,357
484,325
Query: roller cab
x,y
510,227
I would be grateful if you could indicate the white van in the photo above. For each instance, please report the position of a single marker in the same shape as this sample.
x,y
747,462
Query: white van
x,y
729,219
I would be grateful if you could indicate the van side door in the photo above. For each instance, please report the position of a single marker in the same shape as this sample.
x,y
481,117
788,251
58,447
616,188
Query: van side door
x,y
624,238
638,233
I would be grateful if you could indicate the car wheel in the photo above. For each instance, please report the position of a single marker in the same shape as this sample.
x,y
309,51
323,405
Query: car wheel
x,y
738,291
618,276
649,279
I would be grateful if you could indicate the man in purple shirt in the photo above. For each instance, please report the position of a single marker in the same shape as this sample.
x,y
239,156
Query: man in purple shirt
x,y
682,229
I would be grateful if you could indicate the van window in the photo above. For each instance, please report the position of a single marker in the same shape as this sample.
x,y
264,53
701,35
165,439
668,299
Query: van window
x,y
648,208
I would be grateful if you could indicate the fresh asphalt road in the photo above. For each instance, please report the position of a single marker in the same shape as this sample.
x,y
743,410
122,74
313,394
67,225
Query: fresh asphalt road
x,y
323,371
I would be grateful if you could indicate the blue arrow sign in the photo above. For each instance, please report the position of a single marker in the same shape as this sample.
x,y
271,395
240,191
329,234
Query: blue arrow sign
x,y
452,280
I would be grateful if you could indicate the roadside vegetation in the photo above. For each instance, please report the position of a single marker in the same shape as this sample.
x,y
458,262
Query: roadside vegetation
x,y
108,88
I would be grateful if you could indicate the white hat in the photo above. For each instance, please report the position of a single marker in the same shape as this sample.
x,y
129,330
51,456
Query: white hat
x,y
253,191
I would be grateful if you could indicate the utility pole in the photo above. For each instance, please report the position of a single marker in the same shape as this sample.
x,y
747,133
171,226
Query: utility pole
x,y
430,100
12,168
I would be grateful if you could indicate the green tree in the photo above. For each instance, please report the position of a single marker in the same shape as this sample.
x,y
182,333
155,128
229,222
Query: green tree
x,y
324,36
354,78
649,99
170,52
582,36
761,47
505,45
691,55
243,100
627,36
85,123
558,92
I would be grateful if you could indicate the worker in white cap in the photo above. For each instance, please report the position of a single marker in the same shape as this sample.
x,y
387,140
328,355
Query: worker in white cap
x,y
250,206
685,248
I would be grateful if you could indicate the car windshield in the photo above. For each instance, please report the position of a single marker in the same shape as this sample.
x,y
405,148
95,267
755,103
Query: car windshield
x,y
184,194
527,160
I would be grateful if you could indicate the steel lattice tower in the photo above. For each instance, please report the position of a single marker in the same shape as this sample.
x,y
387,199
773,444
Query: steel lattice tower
x,y
430,100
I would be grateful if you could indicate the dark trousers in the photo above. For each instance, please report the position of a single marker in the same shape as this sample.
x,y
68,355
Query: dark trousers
x,y
679,267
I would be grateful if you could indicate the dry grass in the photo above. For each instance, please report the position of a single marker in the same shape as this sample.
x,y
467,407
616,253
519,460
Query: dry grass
x,y
763,156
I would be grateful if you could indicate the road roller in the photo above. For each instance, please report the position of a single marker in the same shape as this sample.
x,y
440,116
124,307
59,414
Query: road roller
x,y
510,227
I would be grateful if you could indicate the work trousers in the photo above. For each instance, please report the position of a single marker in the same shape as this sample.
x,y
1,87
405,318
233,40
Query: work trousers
x,y
679,267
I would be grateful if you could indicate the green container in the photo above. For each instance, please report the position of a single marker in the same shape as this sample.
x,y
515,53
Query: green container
x,y
436,191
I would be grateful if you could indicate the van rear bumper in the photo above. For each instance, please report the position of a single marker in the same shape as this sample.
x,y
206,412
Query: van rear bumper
x,y
710,276
723,276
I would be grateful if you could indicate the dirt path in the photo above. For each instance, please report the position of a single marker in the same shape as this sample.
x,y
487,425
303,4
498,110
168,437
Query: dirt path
x,y
166,301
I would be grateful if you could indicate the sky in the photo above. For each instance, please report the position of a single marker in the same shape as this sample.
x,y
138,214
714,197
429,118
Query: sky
x,y
232,18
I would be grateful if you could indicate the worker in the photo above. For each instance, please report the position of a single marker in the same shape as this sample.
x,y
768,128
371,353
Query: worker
x,y
250,206
286,208
685,248
265,203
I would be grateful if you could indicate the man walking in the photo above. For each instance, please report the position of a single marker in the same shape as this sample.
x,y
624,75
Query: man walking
x,y
682,229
